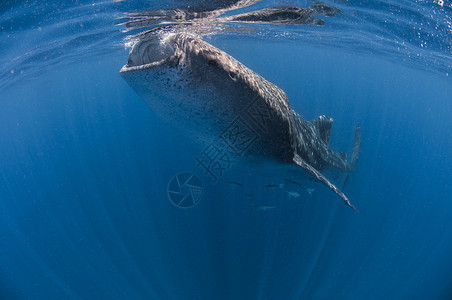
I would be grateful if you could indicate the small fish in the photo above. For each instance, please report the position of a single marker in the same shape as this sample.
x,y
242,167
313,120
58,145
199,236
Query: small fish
x,y
292,194
248,195
264,207
310,190
234,183
292,182
279,186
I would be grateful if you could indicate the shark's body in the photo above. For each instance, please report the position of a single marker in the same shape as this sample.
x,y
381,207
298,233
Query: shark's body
x,y
213,98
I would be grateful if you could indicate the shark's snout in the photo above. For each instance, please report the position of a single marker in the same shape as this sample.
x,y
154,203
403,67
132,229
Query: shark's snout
x,y
149,52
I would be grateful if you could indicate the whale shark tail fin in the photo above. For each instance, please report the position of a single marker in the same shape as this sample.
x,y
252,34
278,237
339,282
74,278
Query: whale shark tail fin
x,y
355,154
356,147
319,176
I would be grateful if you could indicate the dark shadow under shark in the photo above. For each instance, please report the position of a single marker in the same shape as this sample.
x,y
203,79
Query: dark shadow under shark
x,y
213,98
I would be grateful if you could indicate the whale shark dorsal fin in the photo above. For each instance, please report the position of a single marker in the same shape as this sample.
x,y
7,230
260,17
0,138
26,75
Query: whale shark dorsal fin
x,y
319,176
323,124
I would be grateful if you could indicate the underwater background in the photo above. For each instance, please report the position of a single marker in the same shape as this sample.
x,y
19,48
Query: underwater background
x,y
85,164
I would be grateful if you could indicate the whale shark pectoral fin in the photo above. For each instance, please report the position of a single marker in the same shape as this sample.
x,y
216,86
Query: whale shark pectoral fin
x,y
319,176
323,125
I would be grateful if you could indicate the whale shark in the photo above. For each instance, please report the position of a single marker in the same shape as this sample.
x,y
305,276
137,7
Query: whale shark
x,y
212,98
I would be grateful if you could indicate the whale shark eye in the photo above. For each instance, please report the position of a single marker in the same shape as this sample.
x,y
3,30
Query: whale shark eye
x,y
233,75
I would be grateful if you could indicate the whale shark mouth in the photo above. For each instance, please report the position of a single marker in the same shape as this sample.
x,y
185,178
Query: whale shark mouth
x,y
150,52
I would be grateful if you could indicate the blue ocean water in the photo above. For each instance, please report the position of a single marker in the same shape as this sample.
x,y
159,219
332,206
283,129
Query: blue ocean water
x,y
85,163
